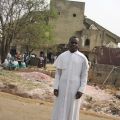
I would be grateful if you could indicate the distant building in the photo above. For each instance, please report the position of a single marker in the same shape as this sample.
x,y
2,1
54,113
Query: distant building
x,y
95,35
71,21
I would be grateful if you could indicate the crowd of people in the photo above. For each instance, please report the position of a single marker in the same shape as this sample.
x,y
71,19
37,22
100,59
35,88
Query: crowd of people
x,y
15,59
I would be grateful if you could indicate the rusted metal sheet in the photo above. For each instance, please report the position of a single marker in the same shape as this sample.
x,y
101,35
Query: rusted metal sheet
x,y
110,56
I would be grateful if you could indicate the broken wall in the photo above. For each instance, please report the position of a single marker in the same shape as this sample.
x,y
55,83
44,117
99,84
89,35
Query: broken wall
x,y
110,56
106,74
69,20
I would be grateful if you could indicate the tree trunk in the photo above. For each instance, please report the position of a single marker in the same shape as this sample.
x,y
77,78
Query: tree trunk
x,y
4,50
2,53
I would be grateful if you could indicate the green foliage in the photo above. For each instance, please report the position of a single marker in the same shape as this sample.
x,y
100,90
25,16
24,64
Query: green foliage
x,y
24,22
36,32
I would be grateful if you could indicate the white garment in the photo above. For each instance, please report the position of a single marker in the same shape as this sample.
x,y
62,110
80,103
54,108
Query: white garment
x,y
6,63
73,78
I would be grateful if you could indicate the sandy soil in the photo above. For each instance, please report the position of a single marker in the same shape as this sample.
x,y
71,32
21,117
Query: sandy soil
x,y
17,108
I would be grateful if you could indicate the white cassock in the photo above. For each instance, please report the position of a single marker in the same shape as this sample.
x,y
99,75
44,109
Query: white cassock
x,y
73,78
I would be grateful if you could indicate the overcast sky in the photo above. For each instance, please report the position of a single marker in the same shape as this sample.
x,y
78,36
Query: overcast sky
x,y
104,12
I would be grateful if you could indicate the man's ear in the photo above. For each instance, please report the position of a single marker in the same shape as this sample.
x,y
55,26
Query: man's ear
x,y
78,45
68,46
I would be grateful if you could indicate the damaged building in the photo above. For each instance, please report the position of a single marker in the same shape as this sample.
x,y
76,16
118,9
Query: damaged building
x,y
95,35
72,21
98,44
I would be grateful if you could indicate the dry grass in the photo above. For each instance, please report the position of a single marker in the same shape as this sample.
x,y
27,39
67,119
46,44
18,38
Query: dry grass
x,y
9,77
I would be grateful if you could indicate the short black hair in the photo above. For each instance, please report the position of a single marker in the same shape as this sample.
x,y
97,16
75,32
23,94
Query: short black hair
x,y
73,37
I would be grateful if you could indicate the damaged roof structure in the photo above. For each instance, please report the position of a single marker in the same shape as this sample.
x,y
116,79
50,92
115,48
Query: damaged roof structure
x,y
98,44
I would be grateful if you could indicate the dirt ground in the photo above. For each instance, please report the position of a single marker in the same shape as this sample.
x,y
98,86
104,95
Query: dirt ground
x,y
16,108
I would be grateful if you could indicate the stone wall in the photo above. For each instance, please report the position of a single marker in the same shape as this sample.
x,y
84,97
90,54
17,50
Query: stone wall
x,y
106,74
94,36
69,20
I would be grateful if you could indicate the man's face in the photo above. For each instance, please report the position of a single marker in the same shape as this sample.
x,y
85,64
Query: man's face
x,y
73,45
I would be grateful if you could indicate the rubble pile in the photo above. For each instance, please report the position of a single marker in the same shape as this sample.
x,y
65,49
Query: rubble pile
x,y
95,99
35,76
101,101
40,86
45,82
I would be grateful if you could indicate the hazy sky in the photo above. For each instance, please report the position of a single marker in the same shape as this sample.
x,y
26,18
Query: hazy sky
x,y
104,12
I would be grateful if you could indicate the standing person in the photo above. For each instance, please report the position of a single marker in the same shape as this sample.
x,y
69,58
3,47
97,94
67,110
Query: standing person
x,y
42,60
13,52
52,58
27,56
70,82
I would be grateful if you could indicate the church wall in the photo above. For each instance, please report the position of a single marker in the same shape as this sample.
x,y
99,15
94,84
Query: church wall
x,y
69,20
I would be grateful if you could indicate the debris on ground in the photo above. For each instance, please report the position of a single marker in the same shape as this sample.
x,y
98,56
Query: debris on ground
x,y
40,86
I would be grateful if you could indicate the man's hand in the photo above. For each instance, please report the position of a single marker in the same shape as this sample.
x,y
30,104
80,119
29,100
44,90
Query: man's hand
x,y
56,92
78,95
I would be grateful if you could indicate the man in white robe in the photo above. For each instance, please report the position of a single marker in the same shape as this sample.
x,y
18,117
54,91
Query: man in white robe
x,y
70,82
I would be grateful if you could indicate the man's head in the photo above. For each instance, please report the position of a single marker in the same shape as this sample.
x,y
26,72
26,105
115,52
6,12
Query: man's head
x,y
73,44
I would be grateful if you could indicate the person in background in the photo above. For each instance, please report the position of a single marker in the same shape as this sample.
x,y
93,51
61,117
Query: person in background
x,y
13,52
42,60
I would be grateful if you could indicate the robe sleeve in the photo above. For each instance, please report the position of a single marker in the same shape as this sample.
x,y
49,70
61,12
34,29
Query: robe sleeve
x,y
84,76
57,78
59,62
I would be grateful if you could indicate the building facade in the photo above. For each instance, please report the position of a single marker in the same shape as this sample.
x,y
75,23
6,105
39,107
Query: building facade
x,y
94,36
71,21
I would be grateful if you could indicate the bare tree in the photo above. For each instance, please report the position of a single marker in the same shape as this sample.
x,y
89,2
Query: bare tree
x,y
11,12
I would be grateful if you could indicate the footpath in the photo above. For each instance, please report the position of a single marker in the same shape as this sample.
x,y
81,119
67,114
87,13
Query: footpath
x,y
17,108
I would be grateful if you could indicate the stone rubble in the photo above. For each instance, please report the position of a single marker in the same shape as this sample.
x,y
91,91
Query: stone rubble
x,y
102,101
